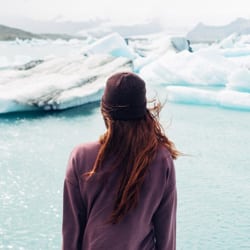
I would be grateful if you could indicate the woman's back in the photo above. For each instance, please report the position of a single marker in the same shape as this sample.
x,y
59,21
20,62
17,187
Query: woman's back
x,y
120,192
150,225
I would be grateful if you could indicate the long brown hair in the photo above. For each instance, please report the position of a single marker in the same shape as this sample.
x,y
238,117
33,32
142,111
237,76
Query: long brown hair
x,y
134,144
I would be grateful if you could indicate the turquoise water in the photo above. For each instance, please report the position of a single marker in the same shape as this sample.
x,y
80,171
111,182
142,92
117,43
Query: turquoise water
x,y
213,181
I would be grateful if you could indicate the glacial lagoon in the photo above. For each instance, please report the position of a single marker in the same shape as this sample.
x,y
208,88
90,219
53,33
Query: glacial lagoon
x,y
206,115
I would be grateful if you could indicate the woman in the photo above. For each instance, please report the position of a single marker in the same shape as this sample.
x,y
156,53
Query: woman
x,y
120,192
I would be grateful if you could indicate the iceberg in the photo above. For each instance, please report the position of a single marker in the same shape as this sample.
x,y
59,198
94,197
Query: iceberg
x,y
17,61
223,98
230,41
152,47
180,44
239,80
236,52
234,45
188,95
216,74
19,52
58,83
234,100
112,44
202,68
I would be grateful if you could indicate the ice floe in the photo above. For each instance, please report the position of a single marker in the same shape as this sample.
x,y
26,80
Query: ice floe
x,y
216,74
222,98
58,83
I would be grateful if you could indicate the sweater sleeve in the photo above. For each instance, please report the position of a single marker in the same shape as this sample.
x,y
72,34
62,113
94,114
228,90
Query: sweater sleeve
x,y
74,214
164,219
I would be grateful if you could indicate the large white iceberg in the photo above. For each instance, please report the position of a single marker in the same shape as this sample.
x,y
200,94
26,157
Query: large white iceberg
x,y
58,83
62,82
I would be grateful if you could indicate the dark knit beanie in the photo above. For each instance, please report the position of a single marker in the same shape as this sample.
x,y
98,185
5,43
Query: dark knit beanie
x,y
124,97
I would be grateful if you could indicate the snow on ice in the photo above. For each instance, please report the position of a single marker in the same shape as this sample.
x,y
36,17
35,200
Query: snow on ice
x,y
216,74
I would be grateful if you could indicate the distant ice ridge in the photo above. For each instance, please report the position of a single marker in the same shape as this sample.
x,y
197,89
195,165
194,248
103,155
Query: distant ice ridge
x,y
18,52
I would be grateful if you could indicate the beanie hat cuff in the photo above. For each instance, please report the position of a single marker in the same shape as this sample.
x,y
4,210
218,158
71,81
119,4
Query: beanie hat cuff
x,y
124,112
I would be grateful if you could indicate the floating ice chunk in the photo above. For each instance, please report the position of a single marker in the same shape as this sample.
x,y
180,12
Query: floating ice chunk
x,y
235,52
204,67
234,99
22,59
4,62
244,40
7,105
158,44
191,95
58,82
235,41
230,41
151,48
17,60
79,96
234,45
180,44
239,80
223,98
112,44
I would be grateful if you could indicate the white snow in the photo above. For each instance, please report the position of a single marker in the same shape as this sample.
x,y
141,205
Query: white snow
x,y
190,95
239,80
200,68
56,83
217,74
112,44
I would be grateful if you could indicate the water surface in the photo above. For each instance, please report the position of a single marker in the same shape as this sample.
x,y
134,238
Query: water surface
x,y
213,180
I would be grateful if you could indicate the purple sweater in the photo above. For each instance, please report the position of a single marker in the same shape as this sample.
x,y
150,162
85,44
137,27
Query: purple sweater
x,y
88,204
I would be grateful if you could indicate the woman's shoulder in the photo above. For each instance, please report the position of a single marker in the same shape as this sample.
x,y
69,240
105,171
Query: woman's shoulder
x,y
163,159
82,157
85,149
163,153
162,168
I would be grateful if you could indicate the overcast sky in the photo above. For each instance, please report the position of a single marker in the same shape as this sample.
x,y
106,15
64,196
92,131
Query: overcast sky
x,y
173,13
